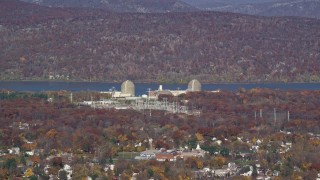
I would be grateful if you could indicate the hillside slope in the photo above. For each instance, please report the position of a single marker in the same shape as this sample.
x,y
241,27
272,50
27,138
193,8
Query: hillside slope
x,y
301,8
142,6
172,47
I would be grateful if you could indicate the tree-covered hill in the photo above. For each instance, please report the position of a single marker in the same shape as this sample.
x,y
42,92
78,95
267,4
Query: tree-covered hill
x,y
86,44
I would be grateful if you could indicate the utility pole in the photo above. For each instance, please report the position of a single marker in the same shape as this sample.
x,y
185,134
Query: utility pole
x,y
165,104
178,108
94,106
288,116
71,98
275,114
149,93
260,113
150,111
149,101
255,115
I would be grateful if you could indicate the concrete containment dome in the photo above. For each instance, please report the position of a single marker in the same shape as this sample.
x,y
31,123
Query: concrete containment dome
x,y
194,85
127,87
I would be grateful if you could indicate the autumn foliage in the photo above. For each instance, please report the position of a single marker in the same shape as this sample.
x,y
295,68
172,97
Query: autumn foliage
x,y
97,45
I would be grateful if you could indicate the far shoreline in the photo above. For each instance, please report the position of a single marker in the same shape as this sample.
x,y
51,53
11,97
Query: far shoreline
x,y
152,82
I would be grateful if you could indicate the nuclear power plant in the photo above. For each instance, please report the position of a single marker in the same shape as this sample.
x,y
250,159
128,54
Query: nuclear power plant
x,y
127,88
194,85
126,98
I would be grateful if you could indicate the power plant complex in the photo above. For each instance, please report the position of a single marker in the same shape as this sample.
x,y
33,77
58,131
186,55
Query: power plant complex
x,y
126,98
128,90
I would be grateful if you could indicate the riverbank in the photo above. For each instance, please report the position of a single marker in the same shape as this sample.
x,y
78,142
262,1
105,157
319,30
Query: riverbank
x,y
142,88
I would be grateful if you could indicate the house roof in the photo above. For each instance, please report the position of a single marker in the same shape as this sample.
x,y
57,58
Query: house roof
x,y
165,156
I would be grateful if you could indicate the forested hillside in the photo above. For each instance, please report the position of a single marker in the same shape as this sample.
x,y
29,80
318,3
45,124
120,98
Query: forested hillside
x,y
42,43
142,6
301,8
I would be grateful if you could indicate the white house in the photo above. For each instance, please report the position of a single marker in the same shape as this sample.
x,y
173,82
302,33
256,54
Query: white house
x,y
148,154
68,169
14,150
222,172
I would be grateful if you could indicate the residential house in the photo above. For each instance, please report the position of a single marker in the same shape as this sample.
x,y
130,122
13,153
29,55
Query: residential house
x,y
249,173
166,156
14,150
222,173
232,167
148,154
68,169
32,161
109,167
275,173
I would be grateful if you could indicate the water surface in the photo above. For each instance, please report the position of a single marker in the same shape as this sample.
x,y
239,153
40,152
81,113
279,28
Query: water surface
x,y
141,88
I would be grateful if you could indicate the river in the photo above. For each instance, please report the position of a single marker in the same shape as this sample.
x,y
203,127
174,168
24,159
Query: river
x,y
141,88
